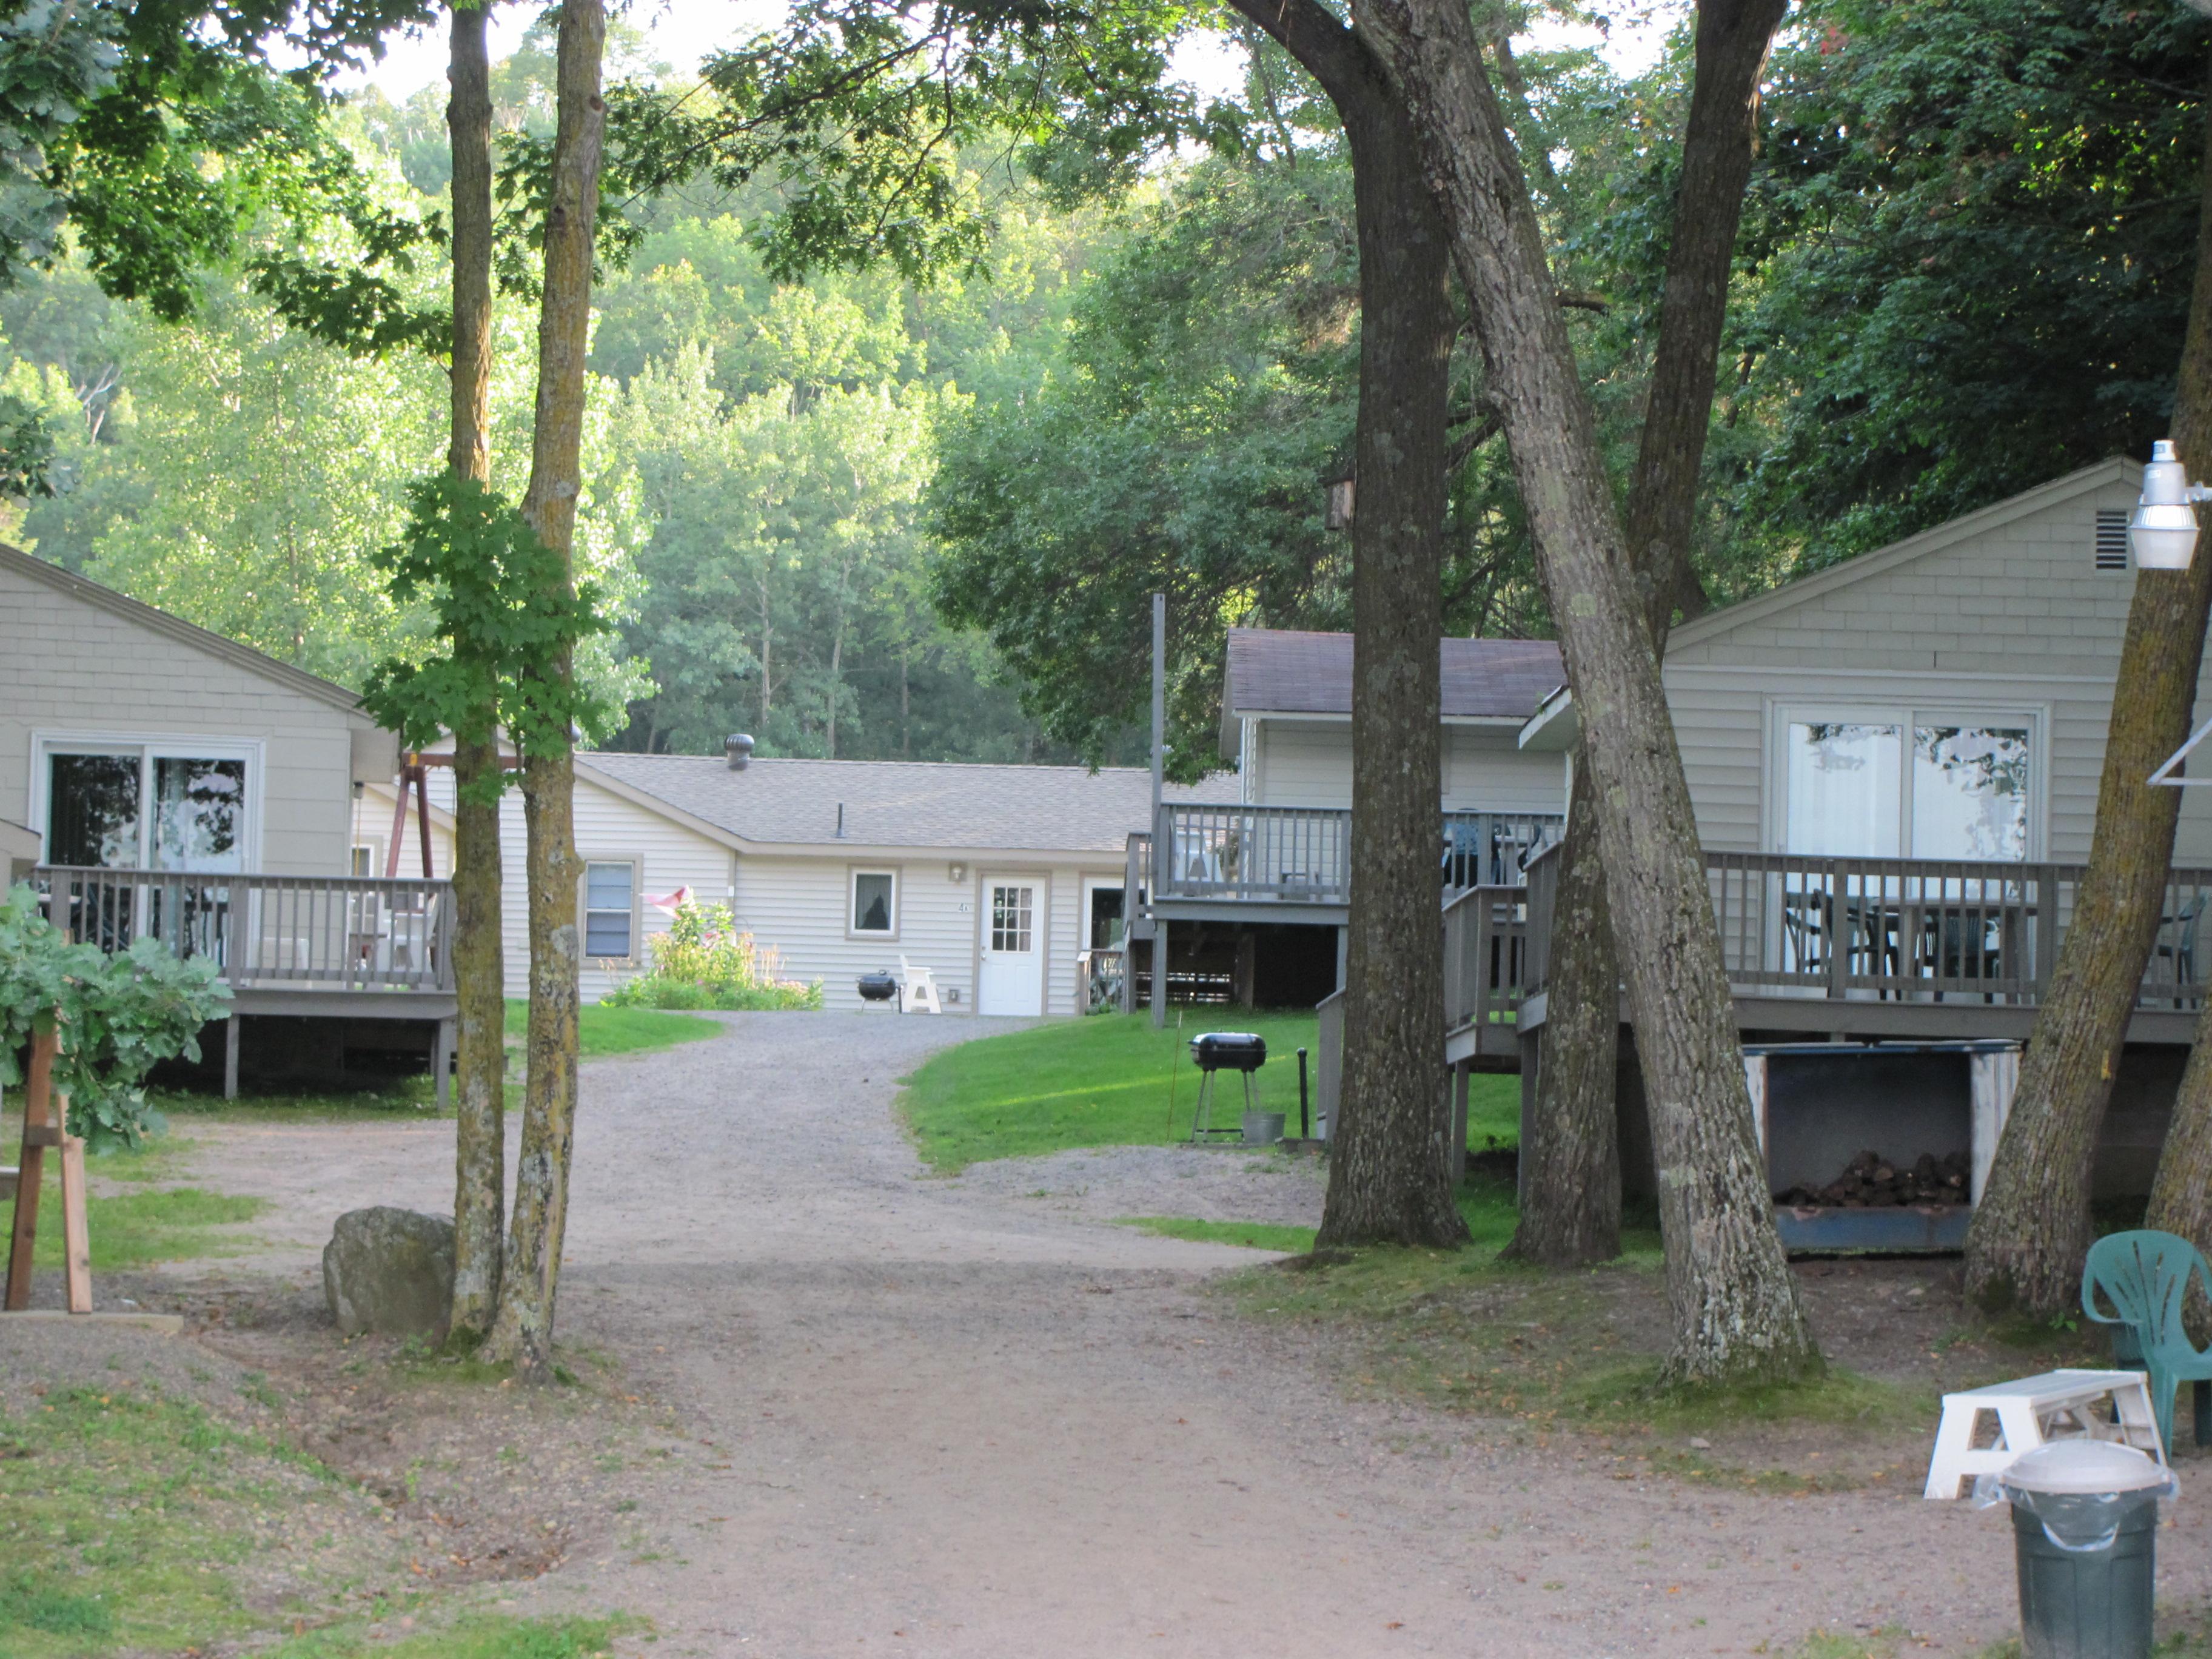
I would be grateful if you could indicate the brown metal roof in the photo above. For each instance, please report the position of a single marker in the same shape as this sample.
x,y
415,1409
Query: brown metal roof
x,y
1281,671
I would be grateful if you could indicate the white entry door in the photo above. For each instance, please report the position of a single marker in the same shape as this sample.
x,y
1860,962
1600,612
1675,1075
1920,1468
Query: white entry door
x,y
1012,978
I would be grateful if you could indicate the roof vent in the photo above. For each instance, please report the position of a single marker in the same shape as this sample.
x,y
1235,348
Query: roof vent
x,y
738,750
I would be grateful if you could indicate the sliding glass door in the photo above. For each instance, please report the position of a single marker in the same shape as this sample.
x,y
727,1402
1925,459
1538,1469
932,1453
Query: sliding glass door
x,y
152,806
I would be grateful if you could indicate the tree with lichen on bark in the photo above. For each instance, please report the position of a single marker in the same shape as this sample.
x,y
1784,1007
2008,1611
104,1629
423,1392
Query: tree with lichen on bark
x,y
1571,1158
522,1332
1736,1312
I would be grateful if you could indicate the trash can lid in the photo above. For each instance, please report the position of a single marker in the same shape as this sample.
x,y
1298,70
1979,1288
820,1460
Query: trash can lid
x,y
2084,1467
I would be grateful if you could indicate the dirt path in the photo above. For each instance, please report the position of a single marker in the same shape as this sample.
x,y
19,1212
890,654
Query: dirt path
x,y
939,1418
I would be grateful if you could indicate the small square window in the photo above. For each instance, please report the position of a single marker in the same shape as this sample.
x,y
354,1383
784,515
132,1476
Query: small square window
x,y
875,902
608,921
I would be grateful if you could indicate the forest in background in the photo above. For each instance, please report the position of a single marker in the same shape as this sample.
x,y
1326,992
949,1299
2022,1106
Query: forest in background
x,y
865,519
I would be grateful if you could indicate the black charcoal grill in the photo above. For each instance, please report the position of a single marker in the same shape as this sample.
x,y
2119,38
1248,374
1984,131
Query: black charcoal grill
x,y
879,987
1215,1051
1229,1051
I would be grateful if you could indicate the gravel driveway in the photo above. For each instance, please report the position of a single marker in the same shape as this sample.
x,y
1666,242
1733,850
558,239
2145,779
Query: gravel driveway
x,y
948,1418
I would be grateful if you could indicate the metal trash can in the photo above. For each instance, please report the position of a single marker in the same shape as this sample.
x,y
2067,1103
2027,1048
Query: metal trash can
x,y
2085,1532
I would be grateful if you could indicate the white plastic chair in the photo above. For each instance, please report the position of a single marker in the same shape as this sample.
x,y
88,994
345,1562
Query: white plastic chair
x,y
917,989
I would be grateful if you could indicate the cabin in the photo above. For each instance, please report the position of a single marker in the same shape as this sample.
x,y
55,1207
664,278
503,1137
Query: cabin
x,y
157,778
1893,764
1006,882
1264,881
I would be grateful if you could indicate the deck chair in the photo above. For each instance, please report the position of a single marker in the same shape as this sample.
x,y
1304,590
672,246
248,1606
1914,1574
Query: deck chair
x,y
917,989
2146,1276
2179,947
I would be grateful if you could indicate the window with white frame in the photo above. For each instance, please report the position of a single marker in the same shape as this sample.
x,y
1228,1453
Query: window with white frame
x,y
1909,783
610,909
181,803
874,908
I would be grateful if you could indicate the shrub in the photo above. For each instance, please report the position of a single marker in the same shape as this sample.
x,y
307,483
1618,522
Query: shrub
x,y
702,961
121,1015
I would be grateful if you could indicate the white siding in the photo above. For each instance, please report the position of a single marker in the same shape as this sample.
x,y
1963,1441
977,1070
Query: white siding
x,y
372,827
797,904
70,666
2013,618
1309,763
608,827
1486,771
1303,762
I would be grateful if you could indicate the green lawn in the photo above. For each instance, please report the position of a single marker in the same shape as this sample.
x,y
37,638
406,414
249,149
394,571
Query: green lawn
x,y
1112,1081
605,1031
136,1230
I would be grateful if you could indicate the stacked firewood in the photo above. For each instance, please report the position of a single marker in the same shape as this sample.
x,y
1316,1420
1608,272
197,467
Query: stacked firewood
x,y
1871,1182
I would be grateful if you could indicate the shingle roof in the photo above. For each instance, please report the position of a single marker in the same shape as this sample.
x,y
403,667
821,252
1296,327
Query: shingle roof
x,y
902,803
1277,670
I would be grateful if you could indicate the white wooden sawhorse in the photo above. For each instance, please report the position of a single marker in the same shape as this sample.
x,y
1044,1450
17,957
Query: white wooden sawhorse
x,y
2057,1405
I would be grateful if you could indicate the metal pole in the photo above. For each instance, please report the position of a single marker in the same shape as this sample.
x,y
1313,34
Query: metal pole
x,y
1305,1121
1162,855
1159,711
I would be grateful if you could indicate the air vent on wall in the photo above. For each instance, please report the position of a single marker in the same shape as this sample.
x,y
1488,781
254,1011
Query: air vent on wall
x,y
2112,540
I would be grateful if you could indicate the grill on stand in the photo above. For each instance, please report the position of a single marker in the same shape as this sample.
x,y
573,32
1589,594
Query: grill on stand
x,y
1214,1053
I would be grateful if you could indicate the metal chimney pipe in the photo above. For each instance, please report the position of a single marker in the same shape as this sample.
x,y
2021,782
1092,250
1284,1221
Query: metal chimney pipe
x,y
737,750
840,820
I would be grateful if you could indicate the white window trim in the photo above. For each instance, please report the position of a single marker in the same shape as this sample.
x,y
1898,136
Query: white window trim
x,y
1906,713
636,868
151,746
853,874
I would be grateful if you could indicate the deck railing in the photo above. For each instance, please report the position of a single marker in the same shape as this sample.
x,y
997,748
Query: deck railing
x,y
344,933
1485,955
1302,855
1916,930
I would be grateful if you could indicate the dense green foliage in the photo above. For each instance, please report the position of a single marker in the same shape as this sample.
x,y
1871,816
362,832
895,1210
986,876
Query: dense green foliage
x,y
119,1015
504,607
702,961
1964,272
1973,234
865,514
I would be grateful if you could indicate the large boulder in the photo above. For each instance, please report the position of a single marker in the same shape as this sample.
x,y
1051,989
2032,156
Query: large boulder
x,y
390,1270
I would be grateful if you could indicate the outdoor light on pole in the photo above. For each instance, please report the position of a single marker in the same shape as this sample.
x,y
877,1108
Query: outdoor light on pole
x,y
2162,529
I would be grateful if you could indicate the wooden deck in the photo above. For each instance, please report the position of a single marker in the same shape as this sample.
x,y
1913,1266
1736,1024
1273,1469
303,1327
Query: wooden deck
x,y
303,947
1293,863
1834,947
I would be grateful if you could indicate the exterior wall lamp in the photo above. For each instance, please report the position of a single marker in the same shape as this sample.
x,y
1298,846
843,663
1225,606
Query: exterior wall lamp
x,y
2162,529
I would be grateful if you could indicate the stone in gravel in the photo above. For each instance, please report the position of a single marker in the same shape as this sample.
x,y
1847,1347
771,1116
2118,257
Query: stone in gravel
x,y
390,1270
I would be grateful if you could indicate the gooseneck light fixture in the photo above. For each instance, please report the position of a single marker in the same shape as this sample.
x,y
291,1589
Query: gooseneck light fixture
x,y
2162,529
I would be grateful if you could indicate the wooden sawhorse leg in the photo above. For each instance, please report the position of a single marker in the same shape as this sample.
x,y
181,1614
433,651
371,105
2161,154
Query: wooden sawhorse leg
x,y
46,1118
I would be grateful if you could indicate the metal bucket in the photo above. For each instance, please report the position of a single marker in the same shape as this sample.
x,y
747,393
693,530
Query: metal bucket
x,y
1262,1128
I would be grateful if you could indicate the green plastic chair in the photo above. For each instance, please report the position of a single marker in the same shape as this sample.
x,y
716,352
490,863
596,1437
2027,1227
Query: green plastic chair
x,y
2145,1276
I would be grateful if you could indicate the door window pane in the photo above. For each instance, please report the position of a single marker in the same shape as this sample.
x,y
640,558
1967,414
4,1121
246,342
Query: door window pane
x,y
199,814
1845,783
871,903
1970,791
1009,919
92,810
607,921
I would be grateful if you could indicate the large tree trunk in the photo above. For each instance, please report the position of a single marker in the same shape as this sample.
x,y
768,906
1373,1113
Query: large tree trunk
x,y
1736,1312
479,962
1571,1190
1389,1180
1570,1150
2181,1194
524,1331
